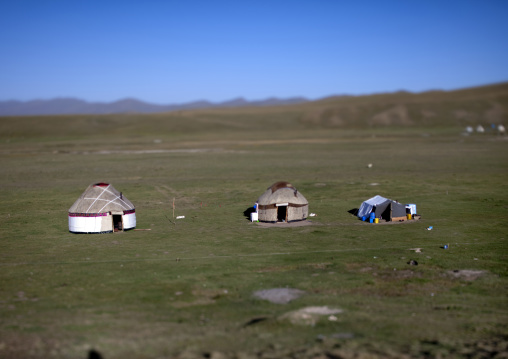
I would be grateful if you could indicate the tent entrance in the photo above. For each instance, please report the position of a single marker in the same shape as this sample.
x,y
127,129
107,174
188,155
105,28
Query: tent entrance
x,y
117,222
386,212
390,211
282,213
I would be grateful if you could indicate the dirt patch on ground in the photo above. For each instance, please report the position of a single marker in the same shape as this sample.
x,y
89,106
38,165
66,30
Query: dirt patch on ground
x,y
338,346
272,269
383,222
285,225
467,274
200,297
279,295
311,266
310,315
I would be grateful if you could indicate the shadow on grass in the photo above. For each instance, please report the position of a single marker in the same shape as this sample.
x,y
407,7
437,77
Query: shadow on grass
x,y
248,211
353,211
94,354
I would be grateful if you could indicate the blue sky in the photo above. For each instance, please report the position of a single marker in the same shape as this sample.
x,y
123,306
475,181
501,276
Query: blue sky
x,y
171,52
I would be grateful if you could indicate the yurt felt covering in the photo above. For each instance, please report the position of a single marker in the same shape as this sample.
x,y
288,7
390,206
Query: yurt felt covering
x,y
282,202
101,209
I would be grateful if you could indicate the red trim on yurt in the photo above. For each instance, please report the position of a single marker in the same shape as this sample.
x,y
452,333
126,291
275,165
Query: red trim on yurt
x,y
88,214
129,211
101,184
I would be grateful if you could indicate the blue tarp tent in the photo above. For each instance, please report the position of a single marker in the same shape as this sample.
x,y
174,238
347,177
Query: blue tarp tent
x,y
367,205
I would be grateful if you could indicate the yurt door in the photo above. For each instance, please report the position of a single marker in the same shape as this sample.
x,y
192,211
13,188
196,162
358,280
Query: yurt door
x,y
117,222
282,212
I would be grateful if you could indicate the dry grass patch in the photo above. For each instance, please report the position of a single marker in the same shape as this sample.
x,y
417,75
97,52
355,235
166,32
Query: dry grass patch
x,y
467,274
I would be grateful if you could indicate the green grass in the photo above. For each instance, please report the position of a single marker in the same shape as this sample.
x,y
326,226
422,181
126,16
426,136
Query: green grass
x,y
185,289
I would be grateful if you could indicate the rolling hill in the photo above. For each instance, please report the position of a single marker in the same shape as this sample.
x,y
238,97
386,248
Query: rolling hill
x,y
486,106
72,106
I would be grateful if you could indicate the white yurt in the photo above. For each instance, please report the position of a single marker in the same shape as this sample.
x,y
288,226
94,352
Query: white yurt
x,y
282,202
101,209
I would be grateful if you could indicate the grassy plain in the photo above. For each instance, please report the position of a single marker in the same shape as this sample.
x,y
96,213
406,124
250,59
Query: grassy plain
x,y
185,288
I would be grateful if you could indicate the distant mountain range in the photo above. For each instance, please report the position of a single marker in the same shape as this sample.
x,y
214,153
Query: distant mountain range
x,y
73,106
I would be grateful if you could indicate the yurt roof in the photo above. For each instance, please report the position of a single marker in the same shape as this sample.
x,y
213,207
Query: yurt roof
x,y
282,192
99,198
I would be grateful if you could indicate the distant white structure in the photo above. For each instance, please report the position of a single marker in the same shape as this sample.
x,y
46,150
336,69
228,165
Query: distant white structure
x,y
480,129
101,209
501,129
469,129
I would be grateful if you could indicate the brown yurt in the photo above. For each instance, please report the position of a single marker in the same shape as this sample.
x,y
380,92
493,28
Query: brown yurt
x,y
282,203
